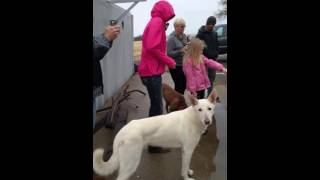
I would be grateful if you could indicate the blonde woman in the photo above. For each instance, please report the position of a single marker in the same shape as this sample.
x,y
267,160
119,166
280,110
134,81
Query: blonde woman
x,y
176,45
195,66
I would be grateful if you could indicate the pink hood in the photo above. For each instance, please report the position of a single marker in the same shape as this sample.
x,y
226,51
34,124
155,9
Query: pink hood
x,y
153,56
164,10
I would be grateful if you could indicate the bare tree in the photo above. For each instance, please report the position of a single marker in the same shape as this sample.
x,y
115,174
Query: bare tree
x,y
222,12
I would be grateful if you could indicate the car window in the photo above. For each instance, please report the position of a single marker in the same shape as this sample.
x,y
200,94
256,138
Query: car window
x,y
219,31
225,30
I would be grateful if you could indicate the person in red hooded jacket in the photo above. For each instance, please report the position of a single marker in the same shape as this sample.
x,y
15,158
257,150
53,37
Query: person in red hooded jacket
x,y
154,59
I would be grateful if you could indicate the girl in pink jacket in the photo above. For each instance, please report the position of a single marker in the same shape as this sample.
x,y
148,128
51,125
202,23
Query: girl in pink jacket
x,y
195,68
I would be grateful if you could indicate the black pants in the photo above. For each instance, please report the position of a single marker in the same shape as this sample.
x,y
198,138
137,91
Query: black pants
x,y
212,77
154,87
179,79
200,94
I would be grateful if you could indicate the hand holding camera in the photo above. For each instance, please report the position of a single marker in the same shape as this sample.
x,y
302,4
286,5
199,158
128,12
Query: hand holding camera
x,y
111,32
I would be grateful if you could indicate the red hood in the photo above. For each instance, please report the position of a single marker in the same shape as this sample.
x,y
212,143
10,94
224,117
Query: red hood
x,y
163,9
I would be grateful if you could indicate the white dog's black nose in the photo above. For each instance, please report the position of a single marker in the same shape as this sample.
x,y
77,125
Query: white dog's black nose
x,y
207,122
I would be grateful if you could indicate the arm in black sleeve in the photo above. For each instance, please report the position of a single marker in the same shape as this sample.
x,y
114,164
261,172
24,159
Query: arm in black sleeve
x,y
100,47
217,43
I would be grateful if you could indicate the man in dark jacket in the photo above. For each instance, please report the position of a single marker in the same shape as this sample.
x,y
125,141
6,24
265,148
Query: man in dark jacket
x,y
101,45
210,37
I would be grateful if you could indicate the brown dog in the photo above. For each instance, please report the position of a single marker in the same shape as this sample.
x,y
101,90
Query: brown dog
x,y
174,100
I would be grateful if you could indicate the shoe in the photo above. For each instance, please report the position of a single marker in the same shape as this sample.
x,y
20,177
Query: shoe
x,y
154,149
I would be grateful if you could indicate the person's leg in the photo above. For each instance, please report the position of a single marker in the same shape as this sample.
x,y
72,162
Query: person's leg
x,y
181,82
200,94
179,79
146,82
154,87
94,111
212,77
156,96
175,78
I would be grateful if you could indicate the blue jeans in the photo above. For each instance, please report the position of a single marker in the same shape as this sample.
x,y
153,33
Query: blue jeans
x,y
154,87
94,111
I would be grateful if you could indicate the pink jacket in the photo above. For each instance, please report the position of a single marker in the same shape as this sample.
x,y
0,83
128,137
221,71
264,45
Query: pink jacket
x,y
197,77
153,56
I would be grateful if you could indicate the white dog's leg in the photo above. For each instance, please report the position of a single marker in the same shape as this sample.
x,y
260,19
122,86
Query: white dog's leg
x,y
186,158
205,129
190,172
129,158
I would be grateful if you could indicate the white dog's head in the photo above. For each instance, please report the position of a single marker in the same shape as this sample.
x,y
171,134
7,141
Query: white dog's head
x,y
204,108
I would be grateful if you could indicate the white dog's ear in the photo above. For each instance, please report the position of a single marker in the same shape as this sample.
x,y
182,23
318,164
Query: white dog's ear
x,y
193,100
213,96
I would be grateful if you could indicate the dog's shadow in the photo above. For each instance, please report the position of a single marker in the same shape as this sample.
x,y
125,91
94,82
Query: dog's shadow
x,y
202,161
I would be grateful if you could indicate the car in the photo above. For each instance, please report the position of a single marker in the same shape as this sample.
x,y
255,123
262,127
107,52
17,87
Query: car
x,y
221,30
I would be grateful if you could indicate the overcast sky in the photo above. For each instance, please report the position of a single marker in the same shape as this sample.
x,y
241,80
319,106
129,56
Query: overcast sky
x,y
195,13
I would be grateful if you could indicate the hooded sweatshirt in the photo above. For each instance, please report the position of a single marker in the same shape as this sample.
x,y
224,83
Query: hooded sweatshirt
x,y
153,56
211,40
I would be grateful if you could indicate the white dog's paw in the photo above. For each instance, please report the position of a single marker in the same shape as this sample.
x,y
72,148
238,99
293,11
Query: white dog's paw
x,y
190,172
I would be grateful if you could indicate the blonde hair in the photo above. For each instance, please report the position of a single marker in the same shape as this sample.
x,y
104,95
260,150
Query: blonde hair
x,y
194,51
179,21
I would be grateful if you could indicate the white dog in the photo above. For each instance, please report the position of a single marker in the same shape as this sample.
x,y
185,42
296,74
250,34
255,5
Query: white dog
x,y
179,129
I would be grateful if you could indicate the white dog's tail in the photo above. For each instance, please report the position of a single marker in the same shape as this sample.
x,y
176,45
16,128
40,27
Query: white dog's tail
x,y
104,168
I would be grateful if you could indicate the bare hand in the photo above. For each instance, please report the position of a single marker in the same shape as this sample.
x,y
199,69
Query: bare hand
x,y
224,70
184,49
111,32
